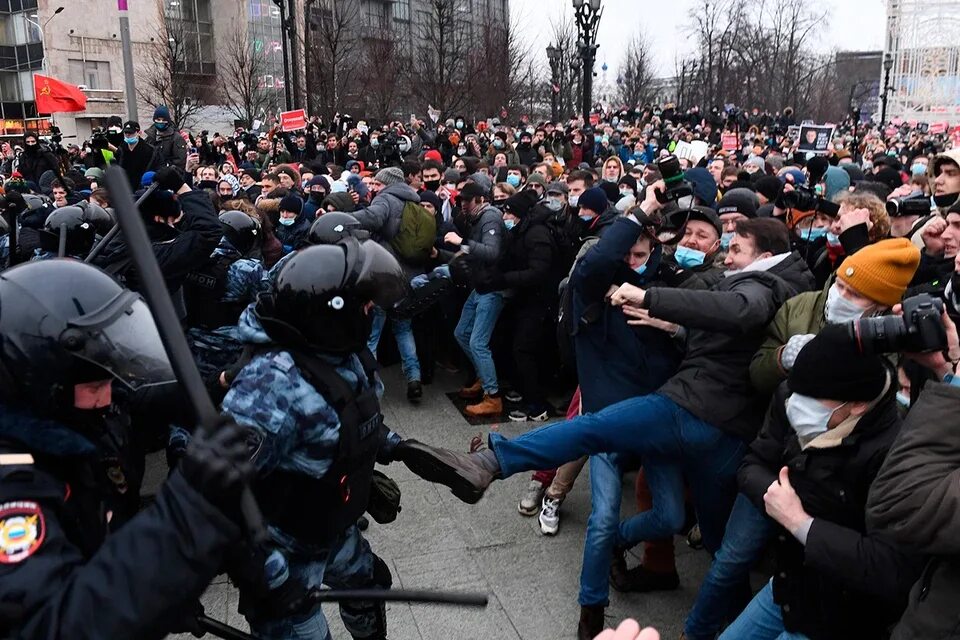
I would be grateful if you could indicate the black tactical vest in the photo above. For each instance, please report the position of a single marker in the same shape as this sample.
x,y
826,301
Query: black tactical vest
x,y
203,292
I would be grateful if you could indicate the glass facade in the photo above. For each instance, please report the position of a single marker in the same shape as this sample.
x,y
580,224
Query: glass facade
x,y
21,55
190,26
264,32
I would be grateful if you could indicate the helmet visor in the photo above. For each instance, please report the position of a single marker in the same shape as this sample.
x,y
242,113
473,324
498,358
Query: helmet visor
x,y
380,277
121,338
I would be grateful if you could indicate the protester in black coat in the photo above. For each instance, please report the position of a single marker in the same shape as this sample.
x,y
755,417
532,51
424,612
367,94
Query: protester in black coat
x,y
136,158
36,160
834,578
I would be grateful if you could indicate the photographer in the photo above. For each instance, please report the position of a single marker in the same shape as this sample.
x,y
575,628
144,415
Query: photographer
x,y
824,439
867,283
915,499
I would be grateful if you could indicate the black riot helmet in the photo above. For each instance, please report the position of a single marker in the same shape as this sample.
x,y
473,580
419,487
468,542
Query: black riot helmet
x,y
321,293
76,224
241,231
64,323
36,211
334,226
102,220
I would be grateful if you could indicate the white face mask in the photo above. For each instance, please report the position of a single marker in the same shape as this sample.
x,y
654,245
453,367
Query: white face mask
x,y
808,416
838,309
574,201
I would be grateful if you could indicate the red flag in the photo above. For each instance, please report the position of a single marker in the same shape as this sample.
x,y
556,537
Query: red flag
x,y
54,96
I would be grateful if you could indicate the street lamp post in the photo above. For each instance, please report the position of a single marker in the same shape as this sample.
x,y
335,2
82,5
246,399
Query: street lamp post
x,y
576,65
553,56
587,15
887,67
282,5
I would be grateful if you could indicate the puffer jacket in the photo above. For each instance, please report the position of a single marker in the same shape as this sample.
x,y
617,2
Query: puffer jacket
x,y
916,501
726,326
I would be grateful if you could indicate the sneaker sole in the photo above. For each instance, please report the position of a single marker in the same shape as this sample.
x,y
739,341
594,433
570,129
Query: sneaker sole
x,y
543,417
548,531
517,419
528,512
433,470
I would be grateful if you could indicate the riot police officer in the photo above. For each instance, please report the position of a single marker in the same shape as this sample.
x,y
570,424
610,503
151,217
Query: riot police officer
x,y
79,223
217,293
311,392
69,337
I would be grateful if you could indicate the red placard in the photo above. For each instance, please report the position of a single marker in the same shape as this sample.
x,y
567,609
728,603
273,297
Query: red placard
x,y
728,141
937,128
293,120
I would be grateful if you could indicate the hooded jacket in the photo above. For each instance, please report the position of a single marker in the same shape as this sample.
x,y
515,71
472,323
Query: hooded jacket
x,y
34,164
726,325
383,215
616,361
170,145
847,581
527,264
915,500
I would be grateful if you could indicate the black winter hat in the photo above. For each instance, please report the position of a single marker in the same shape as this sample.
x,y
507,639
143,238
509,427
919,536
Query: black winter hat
x,y
769,186
740,201
291,203
521,202
630,181
830,367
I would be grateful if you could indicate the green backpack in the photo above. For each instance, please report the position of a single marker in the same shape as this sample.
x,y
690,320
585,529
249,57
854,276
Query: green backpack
x,y
417,234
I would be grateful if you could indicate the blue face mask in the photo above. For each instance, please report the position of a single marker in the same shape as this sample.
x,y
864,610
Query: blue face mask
x,y
918,169
639,270
509,224
513,180
689,258
160,126
833,240
586,218
725,240
133,140
813,233
903,399
287,221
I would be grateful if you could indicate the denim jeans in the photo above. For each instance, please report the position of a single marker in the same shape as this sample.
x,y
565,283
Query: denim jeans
x,y
473,332
726,587
651,425
605,490
668,515
761,620
403,333
347,565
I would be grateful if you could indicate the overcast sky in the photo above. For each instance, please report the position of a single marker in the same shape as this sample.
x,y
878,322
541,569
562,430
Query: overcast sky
x,y
854,26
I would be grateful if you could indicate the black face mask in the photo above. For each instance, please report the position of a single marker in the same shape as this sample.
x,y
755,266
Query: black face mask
x,y
317,197
207,184
431,185
31,148
946,199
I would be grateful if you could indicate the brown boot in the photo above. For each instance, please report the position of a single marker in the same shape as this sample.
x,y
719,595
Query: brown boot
x,y
489,406
473,392
591,622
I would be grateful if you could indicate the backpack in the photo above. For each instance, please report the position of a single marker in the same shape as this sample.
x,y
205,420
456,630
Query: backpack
x,y
417,234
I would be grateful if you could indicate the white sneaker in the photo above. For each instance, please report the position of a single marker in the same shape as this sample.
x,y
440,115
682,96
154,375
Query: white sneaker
x,y
531,498
550,516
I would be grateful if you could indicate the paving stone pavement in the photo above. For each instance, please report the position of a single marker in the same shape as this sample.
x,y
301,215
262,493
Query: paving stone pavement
x,y
437,542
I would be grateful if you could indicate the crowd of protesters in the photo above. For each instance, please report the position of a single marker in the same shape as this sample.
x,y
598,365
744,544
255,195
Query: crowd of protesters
x,y
696,312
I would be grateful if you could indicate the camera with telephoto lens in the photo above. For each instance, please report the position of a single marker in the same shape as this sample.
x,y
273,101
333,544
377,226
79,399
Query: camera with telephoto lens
x,y
920,329
391,148
673,177
908,207
806,198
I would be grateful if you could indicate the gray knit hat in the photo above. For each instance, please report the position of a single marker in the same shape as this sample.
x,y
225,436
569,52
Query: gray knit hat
x,y
389,176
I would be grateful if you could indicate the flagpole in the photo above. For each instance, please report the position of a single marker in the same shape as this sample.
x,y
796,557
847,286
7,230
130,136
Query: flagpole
x,y
131,87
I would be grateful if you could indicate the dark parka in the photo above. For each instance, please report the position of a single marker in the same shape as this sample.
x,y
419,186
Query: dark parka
x,y
916,501
726,326
527,264
846,582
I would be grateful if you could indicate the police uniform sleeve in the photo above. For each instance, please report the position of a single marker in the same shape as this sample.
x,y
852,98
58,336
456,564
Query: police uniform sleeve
x,y
136,585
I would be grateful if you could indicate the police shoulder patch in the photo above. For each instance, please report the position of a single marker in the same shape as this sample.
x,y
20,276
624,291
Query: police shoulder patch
x,y
22,530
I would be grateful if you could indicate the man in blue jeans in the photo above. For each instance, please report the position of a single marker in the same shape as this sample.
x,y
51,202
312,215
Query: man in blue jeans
x,y
482,241
403,333
698,422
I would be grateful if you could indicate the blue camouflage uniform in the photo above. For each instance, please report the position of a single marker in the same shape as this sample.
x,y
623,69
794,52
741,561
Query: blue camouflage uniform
x,y
300,432
216,349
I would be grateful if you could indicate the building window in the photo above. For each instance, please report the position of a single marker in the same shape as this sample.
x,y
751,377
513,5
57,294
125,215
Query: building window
x,y
92,73
401,10
374,15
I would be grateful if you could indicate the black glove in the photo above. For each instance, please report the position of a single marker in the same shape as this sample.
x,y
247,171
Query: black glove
x,y
217,463
14,202
169,178
187,621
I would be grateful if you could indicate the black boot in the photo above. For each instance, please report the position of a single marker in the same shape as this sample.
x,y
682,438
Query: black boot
x,y
591,622
642,580
414,391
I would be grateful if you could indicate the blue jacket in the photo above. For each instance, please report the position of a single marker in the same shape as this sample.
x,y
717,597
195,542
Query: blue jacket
x,y
614,360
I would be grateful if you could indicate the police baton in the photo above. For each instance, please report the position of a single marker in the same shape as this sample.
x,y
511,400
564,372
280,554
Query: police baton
x,y
154,289
398,595
221,630
115,229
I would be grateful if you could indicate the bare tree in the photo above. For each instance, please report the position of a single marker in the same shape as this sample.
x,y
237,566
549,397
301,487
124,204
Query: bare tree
x,y
440,67
381,75
168,74
242,74
635,82
332,44
564,38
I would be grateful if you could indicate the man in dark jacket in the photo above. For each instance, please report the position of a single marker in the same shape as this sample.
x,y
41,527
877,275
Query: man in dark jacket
x,y
705,414
184,229
810,469
526,270
36,159
136,156
170,146
915,499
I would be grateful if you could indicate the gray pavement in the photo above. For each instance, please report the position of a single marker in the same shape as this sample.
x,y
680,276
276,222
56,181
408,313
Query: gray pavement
x,y
438,542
